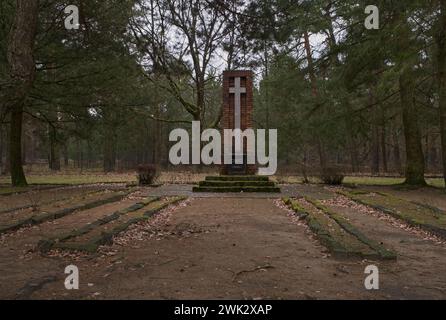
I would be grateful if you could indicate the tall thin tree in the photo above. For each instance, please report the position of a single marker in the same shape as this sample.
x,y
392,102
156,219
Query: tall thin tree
x,y
441,76
22,73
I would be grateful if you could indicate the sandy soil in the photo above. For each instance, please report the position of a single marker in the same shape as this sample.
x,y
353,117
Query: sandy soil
x,y
223,248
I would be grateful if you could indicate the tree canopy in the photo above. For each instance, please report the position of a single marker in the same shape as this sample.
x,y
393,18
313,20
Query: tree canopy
x,y
341,95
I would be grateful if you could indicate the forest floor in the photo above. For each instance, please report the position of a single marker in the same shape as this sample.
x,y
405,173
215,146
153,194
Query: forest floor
x,y
234,247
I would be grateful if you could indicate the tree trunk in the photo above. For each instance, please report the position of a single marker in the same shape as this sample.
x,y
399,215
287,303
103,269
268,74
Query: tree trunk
x,y
433,154
22,66
374,138
156,139
15,148
32,145
6,168
110,150
415,164
321,152
24,145
396,151
90,157
65,155
441,60
79,155
201,99
375,150
383,136
1,149
351,138
304,168
54,154
427,158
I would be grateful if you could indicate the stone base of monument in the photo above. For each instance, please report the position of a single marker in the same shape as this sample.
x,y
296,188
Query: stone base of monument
x,y
240,170
228,184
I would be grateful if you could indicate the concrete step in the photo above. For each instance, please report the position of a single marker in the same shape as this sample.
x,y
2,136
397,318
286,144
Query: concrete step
x,y
210,183
247,189
237,178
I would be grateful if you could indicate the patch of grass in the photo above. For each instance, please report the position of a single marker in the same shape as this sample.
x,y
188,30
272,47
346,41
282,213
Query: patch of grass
x,y
386,181
347,226
428,218
11,190
438,183
8,190
282,179
73,179
296,207
373,181
354,180
337,234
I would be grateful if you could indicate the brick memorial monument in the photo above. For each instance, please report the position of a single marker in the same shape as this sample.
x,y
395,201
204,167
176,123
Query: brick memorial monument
x,y
238,111
238,114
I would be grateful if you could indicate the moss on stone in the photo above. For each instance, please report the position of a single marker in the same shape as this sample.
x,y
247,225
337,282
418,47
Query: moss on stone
x,y
236,184
44,217
107,237
237,178
411,213
347,226
356,244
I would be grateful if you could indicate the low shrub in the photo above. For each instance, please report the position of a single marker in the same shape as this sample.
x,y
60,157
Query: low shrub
x,y
332,176
147,174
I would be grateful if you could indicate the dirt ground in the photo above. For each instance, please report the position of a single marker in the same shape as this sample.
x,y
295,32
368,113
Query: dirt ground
x,y
222,248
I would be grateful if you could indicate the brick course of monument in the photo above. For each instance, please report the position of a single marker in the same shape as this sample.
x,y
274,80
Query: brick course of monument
x,y
237,114
246,108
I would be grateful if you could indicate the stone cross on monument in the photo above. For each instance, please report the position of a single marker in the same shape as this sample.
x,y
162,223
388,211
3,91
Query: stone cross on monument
x,y
237,91
237,114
